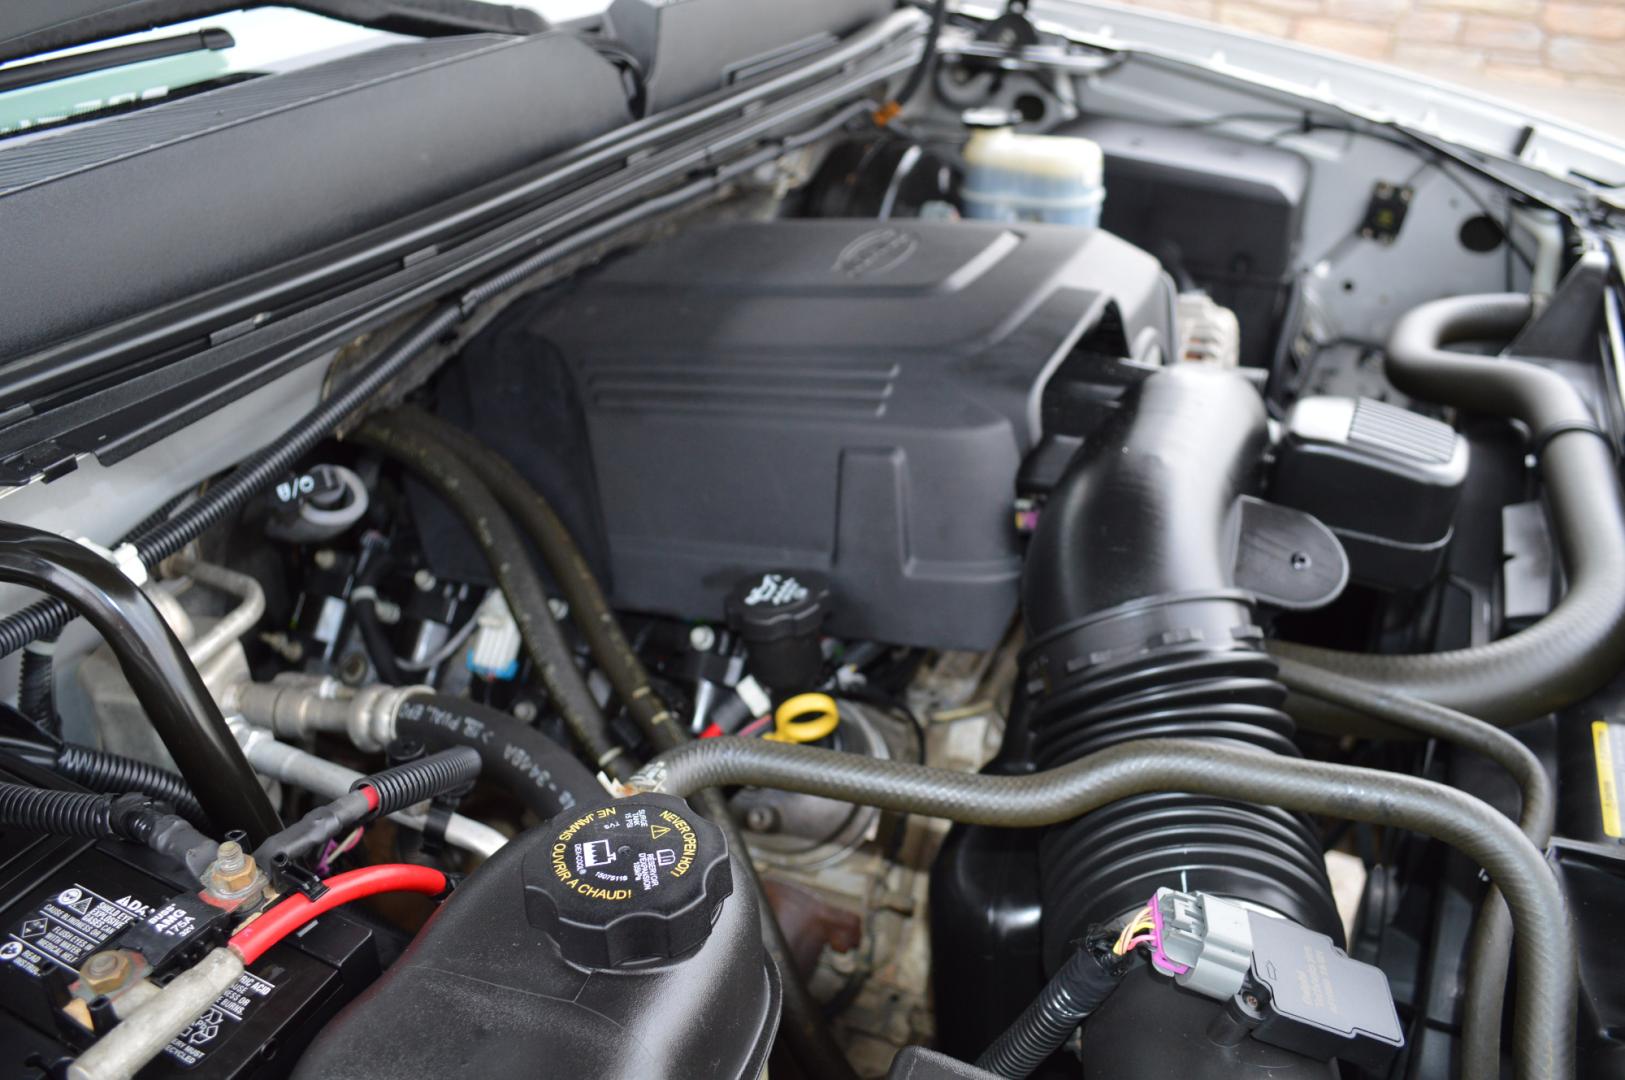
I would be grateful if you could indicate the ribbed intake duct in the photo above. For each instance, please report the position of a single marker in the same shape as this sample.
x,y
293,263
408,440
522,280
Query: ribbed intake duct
x,y
1136,632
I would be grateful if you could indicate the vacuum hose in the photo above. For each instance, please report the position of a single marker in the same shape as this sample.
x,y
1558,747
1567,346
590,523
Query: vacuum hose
x,y
1544,1024
1570,653
1137,631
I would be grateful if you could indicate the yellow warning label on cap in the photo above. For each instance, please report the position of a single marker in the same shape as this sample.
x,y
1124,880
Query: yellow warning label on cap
x,y
1607,779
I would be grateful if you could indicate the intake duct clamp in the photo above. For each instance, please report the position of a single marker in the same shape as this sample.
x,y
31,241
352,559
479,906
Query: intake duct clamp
x,y
1137,630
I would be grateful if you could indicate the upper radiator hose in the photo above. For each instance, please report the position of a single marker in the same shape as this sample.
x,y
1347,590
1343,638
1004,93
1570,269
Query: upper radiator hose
x,y
1136,630
1579,646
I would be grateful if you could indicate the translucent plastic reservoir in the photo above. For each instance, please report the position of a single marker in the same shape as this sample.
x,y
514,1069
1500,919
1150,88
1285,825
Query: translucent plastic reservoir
x,y
1048,178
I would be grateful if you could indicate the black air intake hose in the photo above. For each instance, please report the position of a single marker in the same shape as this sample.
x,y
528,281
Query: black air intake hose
x,y
1137,631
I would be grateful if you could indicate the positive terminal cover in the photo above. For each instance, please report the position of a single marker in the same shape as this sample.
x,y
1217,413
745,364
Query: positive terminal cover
x,y
629,883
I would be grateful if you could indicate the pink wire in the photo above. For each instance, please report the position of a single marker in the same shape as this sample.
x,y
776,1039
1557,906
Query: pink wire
x,y
1160,959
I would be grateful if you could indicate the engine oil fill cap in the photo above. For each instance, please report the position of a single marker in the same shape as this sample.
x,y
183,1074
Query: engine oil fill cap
x,y
628,883
778,613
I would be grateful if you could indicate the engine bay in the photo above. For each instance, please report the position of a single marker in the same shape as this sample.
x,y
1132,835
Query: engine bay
x,y
960,546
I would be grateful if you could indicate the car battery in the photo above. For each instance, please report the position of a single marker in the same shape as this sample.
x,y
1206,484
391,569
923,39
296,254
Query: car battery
x,y
62,900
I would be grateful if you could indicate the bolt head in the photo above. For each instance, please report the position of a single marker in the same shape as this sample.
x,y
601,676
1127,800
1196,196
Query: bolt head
x,y
702,638
524,711
325,558
353,669
424,580
105,971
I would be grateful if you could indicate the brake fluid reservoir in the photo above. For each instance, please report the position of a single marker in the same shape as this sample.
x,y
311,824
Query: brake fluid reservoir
x,y
1050,178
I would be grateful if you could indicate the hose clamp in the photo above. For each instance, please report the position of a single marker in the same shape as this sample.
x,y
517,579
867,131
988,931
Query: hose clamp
x,y
1546,437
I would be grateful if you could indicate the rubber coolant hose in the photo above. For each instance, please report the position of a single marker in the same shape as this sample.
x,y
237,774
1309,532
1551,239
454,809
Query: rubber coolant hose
x,y
1544,1026
589,608
164,679
538,771
1576,648
504,549
1490,947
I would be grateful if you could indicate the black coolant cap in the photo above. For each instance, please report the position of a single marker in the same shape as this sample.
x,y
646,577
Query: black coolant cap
x,y
778,614
628,883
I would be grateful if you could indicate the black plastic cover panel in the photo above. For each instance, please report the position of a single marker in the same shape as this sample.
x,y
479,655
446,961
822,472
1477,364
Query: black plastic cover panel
x,y
110,217
1225,212
843,396
691,48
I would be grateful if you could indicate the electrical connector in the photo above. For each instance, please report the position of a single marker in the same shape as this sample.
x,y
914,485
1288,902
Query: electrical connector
x,y
494,651
1295,988
1204,942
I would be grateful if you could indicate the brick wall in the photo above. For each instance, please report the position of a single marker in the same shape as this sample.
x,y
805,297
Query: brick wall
x,y
1536,43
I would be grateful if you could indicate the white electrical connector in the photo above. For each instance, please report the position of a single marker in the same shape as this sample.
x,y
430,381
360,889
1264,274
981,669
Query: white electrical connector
x,y
755,698
125,557
494,650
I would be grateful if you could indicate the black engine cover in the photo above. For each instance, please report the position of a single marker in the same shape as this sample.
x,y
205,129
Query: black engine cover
x,y
847,396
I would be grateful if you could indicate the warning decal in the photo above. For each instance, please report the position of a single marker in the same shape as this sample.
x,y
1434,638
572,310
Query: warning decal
x,y
1610,753
66,929
192,1045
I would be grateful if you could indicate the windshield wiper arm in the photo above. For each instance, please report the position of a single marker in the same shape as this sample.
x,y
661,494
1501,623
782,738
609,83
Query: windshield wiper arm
x,y
114,56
